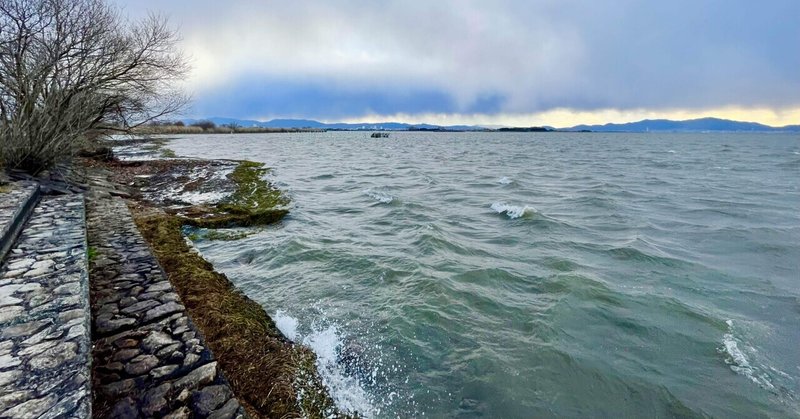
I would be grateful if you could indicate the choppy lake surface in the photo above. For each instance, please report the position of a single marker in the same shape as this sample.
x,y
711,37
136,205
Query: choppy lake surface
x,y
533,275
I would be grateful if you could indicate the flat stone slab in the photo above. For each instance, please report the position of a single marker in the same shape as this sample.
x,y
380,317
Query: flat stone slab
x,y
16,199
45,347
149,359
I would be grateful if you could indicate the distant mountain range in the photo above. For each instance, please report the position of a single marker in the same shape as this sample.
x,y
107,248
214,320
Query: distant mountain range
x,y
309,123
692,125
647,125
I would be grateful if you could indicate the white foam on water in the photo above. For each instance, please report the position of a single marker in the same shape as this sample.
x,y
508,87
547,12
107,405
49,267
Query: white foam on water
x,y
286,324
512,211
736,357
346,391
505,180
196,198
380,196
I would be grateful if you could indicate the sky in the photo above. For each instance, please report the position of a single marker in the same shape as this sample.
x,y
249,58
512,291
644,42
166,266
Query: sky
x,y
505,62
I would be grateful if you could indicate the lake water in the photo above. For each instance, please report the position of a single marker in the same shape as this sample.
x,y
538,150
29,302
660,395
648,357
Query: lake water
x,y
533,274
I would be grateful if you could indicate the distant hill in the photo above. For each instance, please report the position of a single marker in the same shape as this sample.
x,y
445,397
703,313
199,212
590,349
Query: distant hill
x,y
309,123
691,125
647,125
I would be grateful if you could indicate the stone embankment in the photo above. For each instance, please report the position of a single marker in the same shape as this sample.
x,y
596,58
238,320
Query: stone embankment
x,y
149,358
129,350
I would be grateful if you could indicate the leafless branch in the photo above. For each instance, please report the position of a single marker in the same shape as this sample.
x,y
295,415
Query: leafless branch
x,y
69,68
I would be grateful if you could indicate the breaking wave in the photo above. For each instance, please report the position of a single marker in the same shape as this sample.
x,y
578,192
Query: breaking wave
x,y
326,342
380,196
505,180
513,211
354,378
740,357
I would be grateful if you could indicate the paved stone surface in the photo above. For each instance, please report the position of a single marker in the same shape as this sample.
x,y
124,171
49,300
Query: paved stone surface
x,y
13,198
149,360
44,316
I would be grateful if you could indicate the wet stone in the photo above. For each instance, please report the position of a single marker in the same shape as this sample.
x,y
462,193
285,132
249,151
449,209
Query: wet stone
x,y
163,371
142,330
126,354
55,356
48,343
32,408
140,306
25,329
155,341
155,401
8,361
126,343
163,310
125,408
231,409
210,398
142,364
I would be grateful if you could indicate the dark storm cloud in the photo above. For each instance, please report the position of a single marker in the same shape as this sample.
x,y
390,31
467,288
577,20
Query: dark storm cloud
x,y
348,58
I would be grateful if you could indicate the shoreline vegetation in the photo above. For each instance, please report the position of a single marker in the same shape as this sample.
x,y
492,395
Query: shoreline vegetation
x,y
173,129
271,375
209,127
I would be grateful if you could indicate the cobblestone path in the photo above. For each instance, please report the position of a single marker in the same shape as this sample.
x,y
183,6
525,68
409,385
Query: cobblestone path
x,y
149,360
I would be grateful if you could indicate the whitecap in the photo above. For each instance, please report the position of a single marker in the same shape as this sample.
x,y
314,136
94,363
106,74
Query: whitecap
x,y
512,211
505,181
736,356
380,196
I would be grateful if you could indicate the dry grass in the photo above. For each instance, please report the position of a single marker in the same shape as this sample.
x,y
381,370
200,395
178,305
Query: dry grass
x,y
266,371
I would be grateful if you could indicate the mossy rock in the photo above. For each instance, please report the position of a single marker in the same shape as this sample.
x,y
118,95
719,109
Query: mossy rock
x,y
254,202
257,218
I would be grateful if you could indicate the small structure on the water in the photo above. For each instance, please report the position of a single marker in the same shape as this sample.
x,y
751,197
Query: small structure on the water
x,y
380,135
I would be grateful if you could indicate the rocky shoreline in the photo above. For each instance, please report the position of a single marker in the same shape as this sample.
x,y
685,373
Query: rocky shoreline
x,y
108,310
270,375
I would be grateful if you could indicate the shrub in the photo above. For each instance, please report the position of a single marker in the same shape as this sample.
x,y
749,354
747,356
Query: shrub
x,y
70,69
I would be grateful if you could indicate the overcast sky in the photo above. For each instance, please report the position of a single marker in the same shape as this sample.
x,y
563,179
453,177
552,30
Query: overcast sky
x,y
514,62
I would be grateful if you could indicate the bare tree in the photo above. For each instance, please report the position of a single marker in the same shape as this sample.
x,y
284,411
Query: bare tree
x,y
70,69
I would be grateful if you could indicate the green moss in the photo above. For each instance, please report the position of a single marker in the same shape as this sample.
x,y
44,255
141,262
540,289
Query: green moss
x,y
253,193
220,235
254,202
5,189
168,153
259,218
91,253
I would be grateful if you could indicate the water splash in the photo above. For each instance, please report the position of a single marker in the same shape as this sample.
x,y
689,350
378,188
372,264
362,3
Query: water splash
x,y
355,379
380,196
512,211
505,180
286,324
